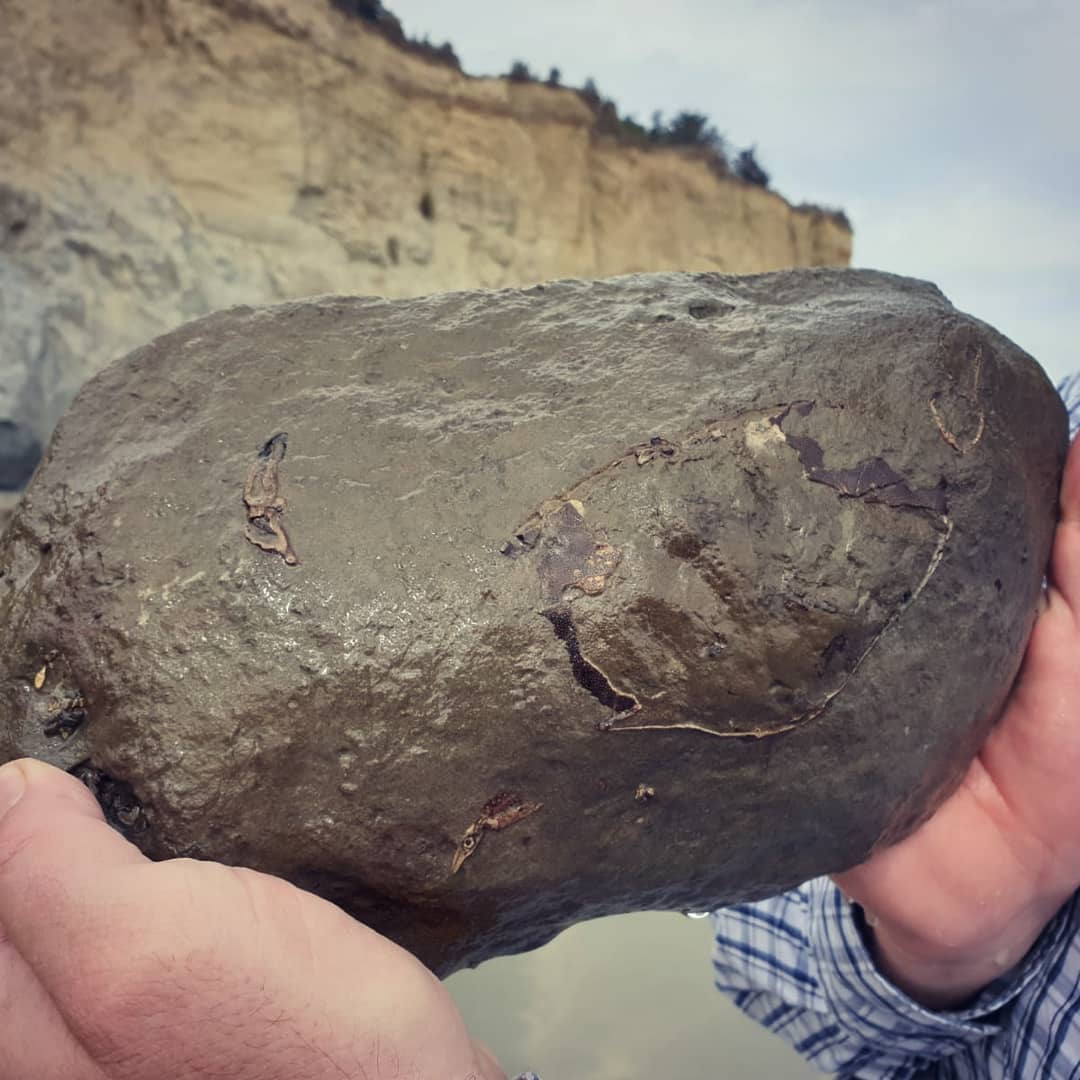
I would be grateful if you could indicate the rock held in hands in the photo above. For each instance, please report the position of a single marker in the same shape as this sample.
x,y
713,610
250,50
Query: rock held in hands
x,y
766,549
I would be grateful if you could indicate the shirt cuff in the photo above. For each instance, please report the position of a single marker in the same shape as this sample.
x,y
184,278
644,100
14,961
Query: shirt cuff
x,y
873,1010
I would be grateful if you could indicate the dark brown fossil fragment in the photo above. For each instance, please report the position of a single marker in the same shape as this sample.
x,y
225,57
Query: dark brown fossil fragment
x,y
499,812
733,593
265,504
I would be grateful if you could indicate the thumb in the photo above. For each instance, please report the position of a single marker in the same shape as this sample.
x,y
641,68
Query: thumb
x,y
50,811
55,850
17,777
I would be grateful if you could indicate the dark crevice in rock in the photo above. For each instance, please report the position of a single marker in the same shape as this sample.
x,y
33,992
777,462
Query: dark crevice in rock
x,y
117,799
709,309
586,673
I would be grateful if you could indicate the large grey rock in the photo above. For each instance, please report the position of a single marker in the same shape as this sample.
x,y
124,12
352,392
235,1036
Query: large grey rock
x,y
699,585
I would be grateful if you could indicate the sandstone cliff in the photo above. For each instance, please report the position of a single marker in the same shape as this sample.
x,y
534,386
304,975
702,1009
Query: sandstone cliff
x,y
160,159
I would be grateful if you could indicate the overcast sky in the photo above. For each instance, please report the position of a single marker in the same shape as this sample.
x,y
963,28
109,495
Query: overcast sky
x,y
948,130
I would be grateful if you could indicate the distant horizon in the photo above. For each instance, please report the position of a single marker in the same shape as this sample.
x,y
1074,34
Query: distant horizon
x,y
945,132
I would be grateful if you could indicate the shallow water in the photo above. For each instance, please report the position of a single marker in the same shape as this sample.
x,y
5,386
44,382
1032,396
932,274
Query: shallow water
x,y
623,998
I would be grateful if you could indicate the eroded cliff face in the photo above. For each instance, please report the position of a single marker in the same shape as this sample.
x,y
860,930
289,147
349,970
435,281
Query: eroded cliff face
x,y
161,159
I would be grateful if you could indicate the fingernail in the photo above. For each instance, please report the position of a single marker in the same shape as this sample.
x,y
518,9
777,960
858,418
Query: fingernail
x,y
12,786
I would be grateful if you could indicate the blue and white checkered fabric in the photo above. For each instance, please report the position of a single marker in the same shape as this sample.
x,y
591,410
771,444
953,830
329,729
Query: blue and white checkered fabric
x,y
799,965
1069,389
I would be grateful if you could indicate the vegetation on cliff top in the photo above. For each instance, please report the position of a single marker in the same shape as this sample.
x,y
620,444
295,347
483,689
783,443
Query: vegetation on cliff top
x,y
689,131
389,25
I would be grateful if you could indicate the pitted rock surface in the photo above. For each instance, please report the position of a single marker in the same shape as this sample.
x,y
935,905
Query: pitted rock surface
x,y
661,591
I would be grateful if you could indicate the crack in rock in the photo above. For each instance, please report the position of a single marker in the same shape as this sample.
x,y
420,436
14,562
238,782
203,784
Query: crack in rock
x,y
586,673
947,432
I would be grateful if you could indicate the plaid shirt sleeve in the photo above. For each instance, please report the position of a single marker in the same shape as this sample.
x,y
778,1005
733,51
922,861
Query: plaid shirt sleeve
x,y
799,964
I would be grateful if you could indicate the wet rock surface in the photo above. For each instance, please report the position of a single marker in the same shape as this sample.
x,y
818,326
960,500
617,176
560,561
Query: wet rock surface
x,y
483,613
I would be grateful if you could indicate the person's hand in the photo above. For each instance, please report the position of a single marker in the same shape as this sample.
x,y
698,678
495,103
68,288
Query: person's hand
x,y
963,898
116,968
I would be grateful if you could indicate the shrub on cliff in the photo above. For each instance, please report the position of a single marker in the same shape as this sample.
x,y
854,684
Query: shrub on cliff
x,y
692,130
632,133
388,24
686,129
590,95
372,11
826,211
748,169
519,72
446,54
